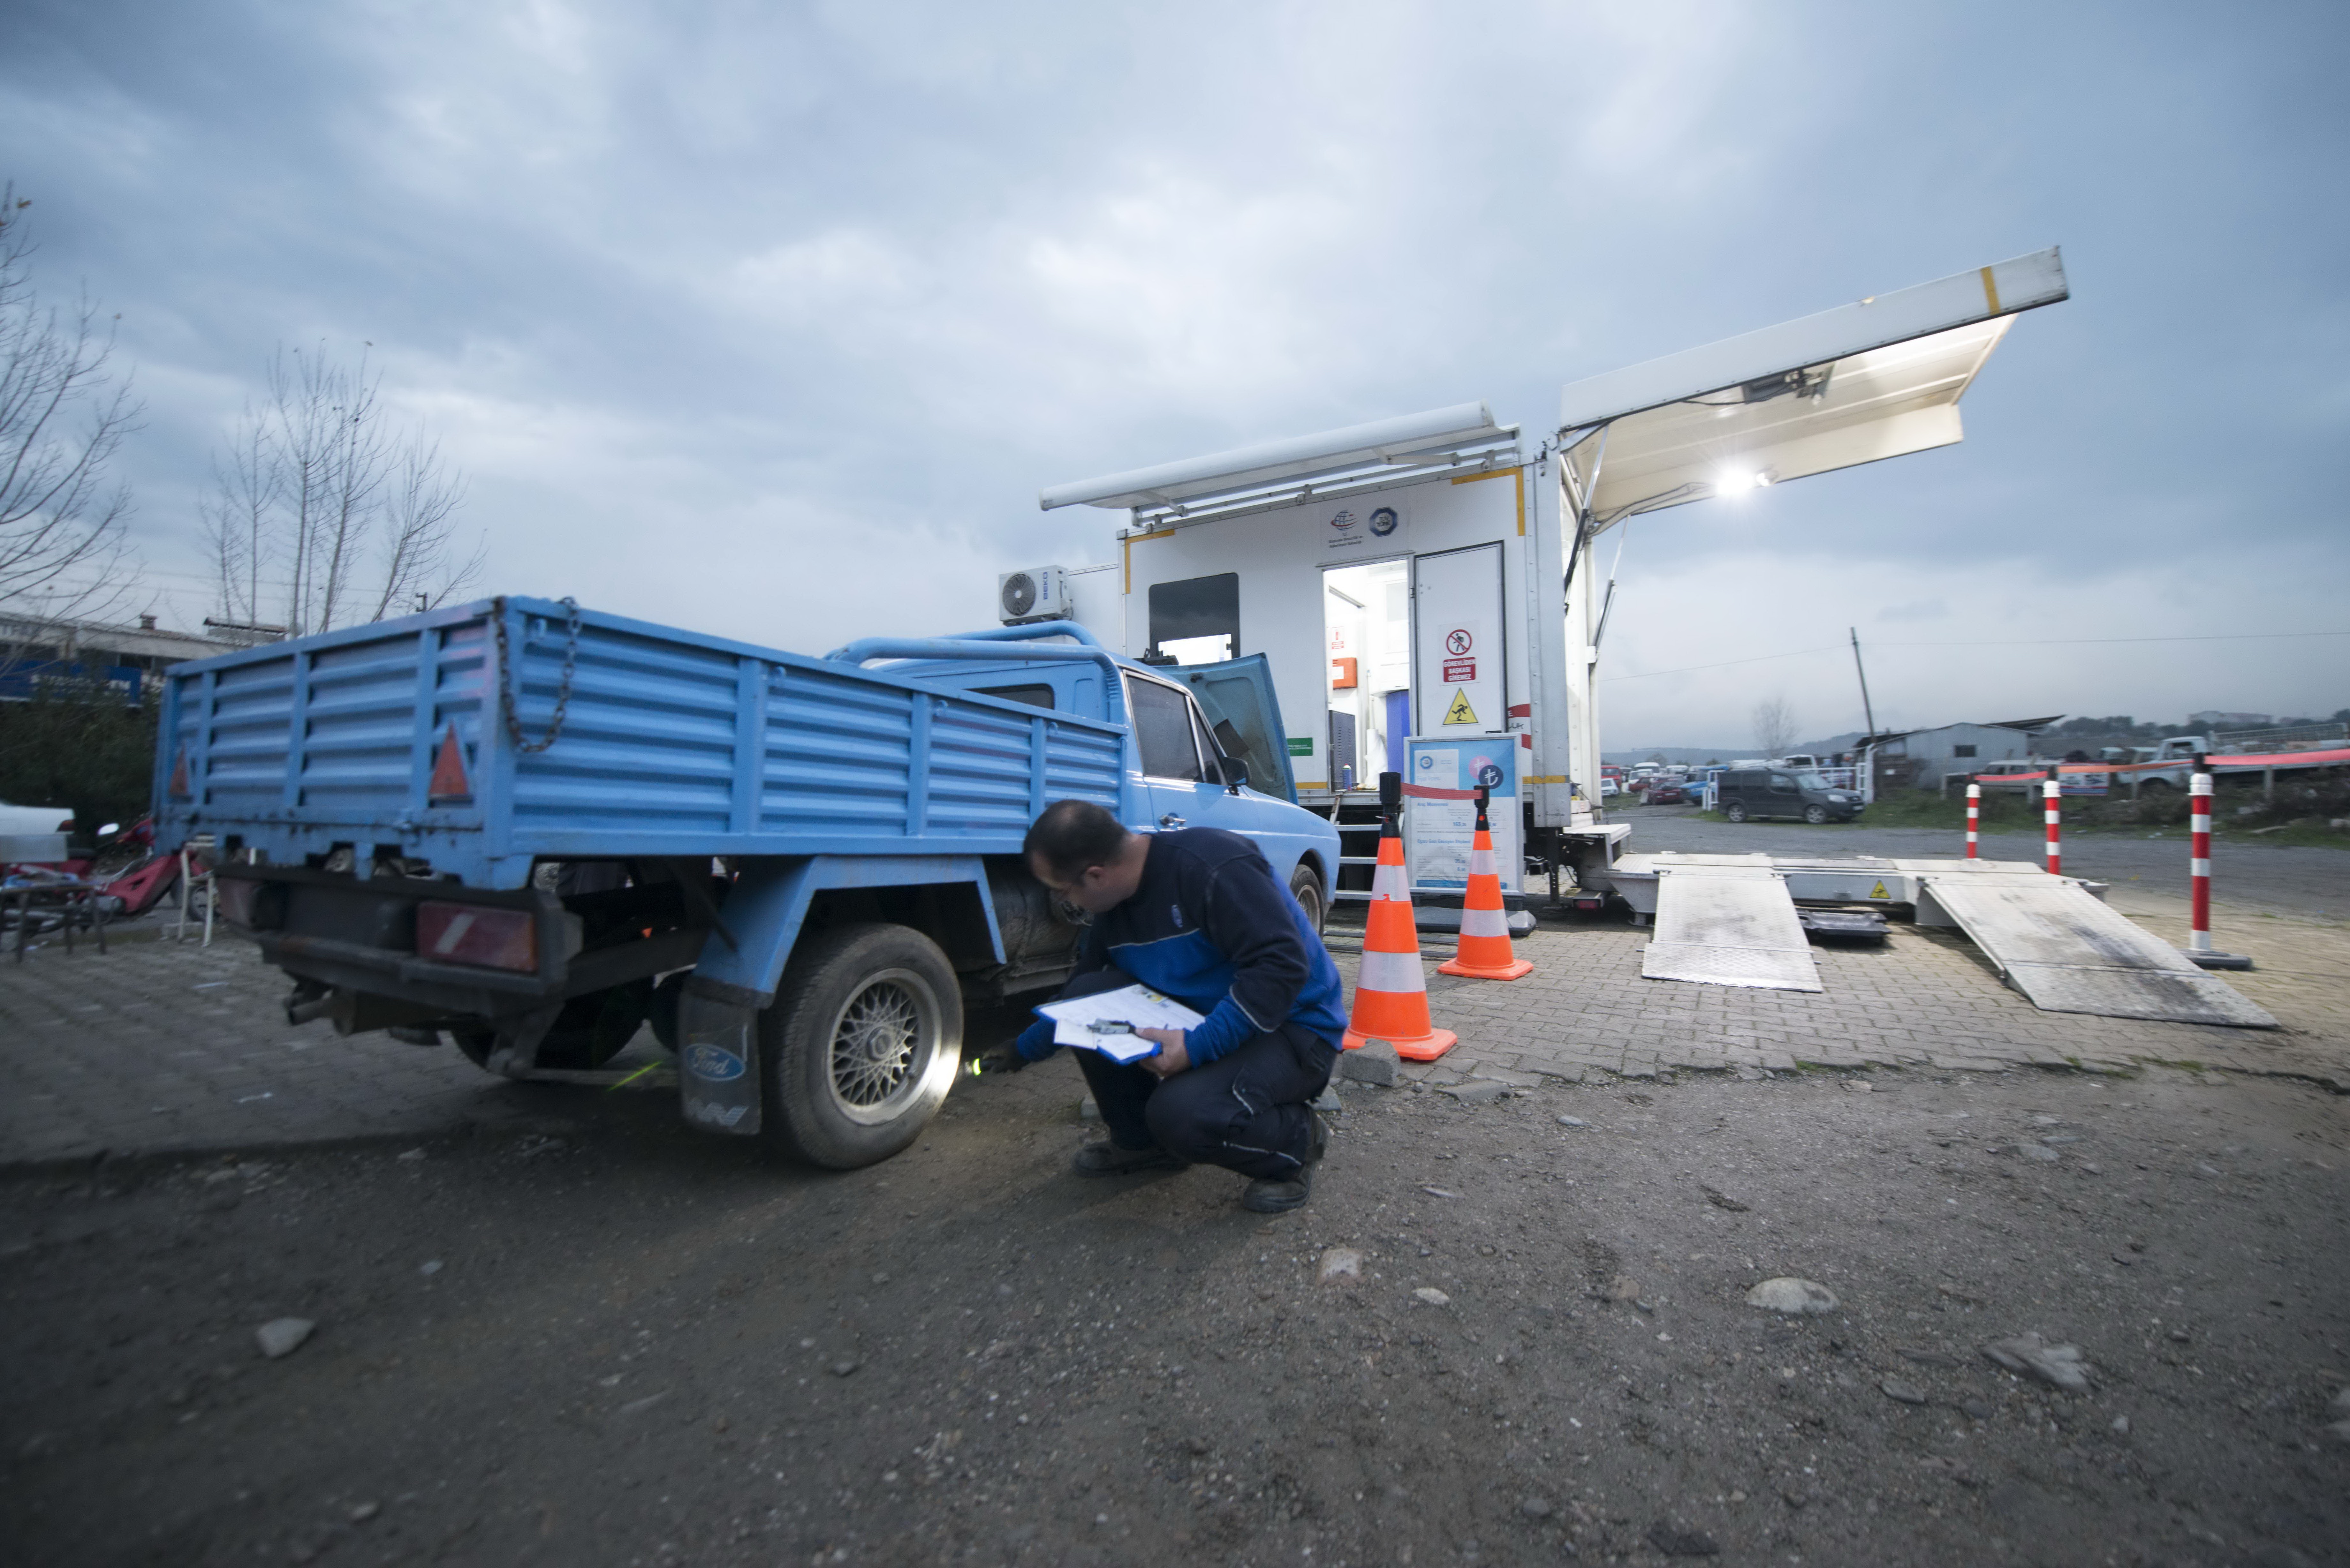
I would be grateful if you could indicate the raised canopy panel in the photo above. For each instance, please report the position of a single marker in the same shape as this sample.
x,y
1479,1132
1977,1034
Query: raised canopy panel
x,y
1874,379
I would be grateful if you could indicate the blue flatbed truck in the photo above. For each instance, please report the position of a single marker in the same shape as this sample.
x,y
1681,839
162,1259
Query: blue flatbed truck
x,y
529,828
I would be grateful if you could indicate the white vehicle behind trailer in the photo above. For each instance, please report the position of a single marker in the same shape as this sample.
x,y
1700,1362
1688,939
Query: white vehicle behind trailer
x,y
1426,580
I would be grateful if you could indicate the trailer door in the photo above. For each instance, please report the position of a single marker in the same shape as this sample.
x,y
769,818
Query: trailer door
x,y
1457,681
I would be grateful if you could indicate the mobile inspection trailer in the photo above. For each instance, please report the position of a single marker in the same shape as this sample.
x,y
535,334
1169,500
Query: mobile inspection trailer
x,y
1426,589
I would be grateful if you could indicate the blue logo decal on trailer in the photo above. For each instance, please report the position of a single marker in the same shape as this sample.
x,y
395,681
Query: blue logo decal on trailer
x,y
713,1064
1384,520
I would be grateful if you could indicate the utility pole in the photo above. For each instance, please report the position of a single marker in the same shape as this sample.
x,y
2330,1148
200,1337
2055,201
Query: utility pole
x,y
1865,709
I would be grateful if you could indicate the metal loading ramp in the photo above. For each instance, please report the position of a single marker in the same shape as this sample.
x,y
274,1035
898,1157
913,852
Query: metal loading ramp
x,y
1729,925
2069,954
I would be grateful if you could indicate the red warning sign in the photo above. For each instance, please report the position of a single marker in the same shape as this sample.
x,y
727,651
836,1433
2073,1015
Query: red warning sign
x,y
1457,671
1458,641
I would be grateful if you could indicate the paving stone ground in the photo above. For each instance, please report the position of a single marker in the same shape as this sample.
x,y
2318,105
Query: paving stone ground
x,y
159,1046
1926,998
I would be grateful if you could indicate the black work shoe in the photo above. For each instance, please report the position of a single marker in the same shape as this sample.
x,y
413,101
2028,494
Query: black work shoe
x,y
1317,1137
1274,1195
1106,1158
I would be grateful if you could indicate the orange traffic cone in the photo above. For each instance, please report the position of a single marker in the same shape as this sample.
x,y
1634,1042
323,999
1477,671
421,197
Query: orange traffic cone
x,y
1484,952
1390,993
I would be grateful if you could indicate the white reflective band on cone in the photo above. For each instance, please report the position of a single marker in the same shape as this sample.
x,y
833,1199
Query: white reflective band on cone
x,y
1391,971
1480,863
1390,882
1484,922
2199,867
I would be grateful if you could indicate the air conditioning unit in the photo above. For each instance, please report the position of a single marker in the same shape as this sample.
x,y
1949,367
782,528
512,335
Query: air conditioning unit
x,y
1039,592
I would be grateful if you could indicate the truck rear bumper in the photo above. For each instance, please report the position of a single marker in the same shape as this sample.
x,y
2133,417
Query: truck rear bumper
x,y
359,934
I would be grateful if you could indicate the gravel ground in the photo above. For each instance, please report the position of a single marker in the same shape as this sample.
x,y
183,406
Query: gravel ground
x,y
600,1338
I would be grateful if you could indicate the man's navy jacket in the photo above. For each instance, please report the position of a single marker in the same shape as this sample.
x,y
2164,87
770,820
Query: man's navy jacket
x,y
1211,927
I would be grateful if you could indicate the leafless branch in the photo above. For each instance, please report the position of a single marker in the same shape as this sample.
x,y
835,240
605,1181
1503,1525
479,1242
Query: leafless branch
x,y
63,414
1774,727
317,490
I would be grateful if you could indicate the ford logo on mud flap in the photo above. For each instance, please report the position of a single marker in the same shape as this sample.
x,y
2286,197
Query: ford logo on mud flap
x,y
713,1064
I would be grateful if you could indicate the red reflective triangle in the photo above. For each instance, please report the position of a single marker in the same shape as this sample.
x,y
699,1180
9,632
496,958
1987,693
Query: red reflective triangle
x,y
449,768
180,774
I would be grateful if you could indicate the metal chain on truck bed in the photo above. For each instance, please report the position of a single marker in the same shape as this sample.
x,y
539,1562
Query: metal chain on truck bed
x,y
509,679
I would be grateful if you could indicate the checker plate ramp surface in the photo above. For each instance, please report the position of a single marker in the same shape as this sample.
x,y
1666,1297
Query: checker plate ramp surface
x,y
1728,925
2069,954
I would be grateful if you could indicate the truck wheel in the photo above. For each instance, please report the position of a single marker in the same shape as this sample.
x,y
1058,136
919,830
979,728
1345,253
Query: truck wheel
x,y
1735,811
860,1046
1816,814
1306,886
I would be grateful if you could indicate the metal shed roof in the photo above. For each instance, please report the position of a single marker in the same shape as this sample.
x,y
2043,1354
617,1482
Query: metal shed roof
x,y
1876,378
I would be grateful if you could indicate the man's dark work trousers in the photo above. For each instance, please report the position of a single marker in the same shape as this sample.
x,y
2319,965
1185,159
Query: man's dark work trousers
x,y
1245,1111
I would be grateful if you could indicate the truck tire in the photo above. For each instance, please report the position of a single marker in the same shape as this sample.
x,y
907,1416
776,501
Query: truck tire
x,y
860,1046
1735,811
1306,886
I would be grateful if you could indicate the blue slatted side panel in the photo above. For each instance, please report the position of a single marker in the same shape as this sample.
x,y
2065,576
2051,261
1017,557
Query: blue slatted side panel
x,y
648,738
249,746
980,769
1082,765
359,729
835,756
461,696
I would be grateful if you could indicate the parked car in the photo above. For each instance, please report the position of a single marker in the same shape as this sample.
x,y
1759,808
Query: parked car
x,y
35,818
1667,792
1781,792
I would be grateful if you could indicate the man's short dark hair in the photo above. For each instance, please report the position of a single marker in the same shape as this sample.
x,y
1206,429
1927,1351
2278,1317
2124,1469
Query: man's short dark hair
x,y
1072,835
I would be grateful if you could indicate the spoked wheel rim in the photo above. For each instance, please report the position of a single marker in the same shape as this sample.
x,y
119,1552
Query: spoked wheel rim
x,y
882,1041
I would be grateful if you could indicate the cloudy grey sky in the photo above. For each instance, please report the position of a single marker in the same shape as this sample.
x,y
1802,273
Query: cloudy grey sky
x,y
772,319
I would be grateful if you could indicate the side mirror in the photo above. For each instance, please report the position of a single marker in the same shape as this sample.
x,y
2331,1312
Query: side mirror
x,y
1234,772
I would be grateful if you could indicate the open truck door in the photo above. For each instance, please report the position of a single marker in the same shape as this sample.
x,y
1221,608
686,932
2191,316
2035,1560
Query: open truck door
x,y
1243,715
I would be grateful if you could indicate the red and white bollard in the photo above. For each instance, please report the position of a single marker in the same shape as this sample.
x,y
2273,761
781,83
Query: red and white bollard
x,y
2198,922
2053,795
1974,817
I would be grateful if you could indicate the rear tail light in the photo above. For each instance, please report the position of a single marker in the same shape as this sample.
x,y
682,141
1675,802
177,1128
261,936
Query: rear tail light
x,y
470,934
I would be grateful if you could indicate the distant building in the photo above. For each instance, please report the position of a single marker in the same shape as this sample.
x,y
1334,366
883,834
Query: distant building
x,y
34,648
1919,759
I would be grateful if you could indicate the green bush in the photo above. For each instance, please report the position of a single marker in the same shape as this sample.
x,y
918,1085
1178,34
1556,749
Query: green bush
x,y
77,744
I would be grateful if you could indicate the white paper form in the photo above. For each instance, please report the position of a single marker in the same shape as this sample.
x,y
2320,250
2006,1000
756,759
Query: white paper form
x,y
1135,1006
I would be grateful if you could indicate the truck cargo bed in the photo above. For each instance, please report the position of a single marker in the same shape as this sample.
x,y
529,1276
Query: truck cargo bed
x,y
598,736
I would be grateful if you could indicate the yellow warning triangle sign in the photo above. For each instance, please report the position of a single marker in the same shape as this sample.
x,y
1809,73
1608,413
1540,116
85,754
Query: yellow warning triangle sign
x,y
1460,712
1879,892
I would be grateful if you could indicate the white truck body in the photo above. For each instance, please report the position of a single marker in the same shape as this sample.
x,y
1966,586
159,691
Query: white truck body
x,y
1489,611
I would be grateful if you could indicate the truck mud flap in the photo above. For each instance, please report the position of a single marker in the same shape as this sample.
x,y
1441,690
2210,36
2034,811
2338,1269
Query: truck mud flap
x,y
718,1056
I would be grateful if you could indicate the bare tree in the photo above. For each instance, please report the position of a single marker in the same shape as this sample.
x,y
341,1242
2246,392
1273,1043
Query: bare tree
x,y
321,515
63,413
1774,727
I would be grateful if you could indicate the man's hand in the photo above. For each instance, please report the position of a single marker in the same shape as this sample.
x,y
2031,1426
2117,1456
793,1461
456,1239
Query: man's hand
x,y
1172,1057
1003,1058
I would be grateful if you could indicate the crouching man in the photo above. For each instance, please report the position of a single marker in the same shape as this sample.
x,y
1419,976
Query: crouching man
x,y
1199,916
